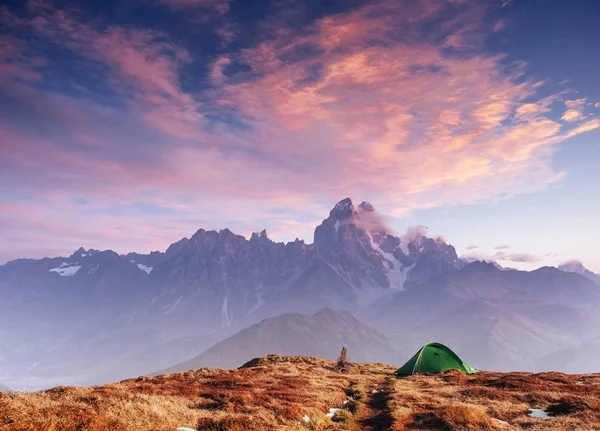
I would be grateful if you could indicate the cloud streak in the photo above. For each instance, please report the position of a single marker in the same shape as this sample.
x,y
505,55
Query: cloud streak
x,y
516,257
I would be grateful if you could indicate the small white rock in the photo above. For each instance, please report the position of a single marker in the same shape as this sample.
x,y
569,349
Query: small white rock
x,y
306,418
538,413
332,412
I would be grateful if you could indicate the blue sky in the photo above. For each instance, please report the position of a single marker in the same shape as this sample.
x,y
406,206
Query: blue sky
x,y
129,124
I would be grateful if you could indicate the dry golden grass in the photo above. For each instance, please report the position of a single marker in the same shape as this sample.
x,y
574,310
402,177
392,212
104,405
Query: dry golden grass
x,y
454,401
276,393
268,394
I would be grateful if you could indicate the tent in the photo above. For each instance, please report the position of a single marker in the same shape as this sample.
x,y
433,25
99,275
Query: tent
x,y
434,358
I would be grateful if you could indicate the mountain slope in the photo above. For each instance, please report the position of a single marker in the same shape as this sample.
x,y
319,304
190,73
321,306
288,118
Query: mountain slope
x,y
581,358
493,337
520,290
322,334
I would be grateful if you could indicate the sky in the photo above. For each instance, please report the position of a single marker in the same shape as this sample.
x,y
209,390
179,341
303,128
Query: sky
x,y
129,124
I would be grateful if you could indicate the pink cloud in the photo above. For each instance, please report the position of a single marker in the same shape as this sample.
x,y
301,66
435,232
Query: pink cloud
x,y
378,112
516,257
575,103
572,115
499,25
13,63
575,110
370,108
143,64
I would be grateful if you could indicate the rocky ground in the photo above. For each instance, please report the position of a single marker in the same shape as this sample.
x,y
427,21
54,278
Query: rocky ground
x,y
305,393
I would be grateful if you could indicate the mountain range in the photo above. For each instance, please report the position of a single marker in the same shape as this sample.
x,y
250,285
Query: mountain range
x,y
219,299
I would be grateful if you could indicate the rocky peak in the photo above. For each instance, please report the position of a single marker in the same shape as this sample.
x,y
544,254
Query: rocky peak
x,y
260,238
481,265
80,252
176,247
343,210
202,240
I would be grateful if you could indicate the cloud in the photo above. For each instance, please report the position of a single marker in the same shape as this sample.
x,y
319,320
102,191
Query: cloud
x,y
597,105
572,115
499,26
572,262
575,103
220,6
472,247
502,247
575,111
414,232
364,102
516,257
372,221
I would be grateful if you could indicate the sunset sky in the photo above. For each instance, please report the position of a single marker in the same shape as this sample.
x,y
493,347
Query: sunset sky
x,y
129,124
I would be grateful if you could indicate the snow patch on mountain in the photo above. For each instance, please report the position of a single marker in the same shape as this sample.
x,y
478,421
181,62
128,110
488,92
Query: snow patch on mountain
x,y
225,314
67,269
395,270
173,306
92,270
146,269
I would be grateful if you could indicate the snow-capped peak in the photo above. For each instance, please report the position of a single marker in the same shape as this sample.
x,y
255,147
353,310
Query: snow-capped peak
x,y
578,268
573,266
344,205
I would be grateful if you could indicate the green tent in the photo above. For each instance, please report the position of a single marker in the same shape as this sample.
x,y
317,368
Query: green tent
x,y
434,358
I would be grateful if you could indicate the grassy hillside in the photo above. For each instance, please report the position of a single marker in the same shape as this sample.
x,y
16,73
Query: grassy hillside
x,y
296,393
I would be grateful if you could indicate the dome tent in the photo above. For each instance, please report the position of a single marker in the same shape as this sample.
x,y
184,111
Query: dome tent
x,y
434,358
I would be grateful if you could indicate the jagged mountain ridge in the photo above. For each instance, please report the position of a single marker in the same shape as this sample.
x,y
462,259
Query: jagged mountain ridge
x,y
351,262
